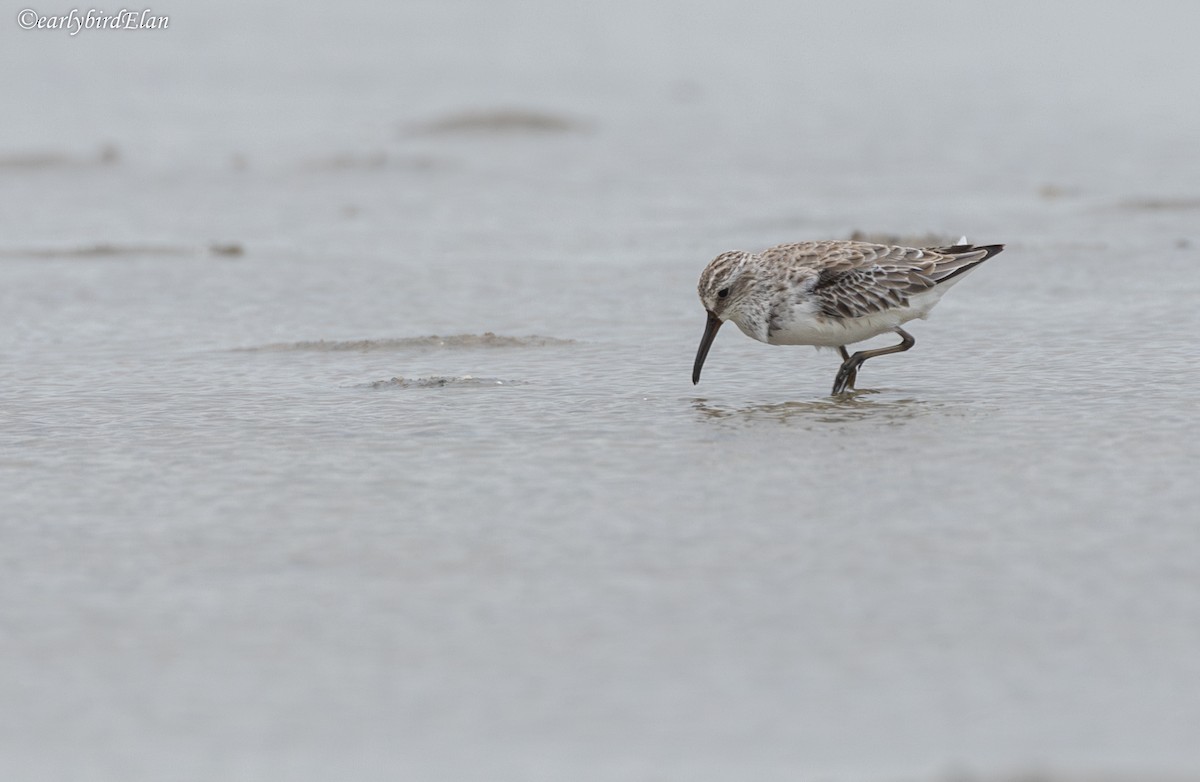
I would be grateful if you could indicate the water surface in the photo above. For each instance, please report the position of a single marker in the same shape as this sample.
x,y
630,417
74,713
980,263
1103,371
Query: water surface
x,y
346,423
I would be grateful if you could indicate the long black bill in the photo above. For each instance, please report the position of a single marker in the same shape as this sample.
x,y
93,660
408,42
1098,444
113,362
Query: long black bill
x,y
710,333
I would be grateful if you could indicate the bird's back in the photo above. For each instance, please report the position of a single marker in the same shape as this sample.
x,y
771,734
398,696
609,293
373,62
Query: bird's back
x,y
855,290
832,257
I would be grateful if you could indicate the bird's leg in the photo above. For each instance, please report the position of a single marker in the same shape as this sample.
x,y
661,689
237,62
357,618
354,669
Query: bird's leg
x,y
853,372
849,371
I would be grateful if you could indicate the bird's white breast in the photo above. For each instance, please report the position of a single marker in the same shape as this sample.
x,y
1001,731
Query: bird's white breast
x,y
803,327
829,332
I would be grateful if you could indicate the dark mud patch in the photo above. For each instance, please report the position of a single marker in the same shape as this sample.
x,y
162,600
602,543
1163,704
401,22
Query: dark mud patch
x,y
501,122
1162,204
433,342
1053,192
107,155
105,250
377,160
439,381
227,249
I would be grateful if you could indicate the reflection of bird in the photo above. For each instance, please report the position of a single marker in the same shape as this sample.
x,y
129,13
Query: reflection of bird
x,y
830,294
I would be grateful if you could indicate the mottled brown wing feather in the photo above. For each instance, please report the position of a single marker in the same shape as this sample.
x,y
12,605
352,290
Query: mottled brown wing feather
x,y
861,279
857,279
851,279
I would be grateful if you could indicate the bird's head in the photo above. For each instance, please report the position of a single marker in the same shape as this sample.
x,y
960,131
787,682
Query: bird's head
x,y
725,288
725,282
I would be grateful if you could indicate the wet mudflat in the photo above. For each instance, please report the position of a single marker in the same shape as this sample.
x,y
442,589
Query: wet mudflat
x,y
415,482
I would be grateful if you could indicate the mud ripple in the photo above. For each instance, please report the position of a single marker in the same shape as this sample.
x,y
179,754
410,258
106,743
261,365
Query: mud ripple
x,y
432,342
862,405
499,122
439,381
376,160
37,161
105,250
1162,204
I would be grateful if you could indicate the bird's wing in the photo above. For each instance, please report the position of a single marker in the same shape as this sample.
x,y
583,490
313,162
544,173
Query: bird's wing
x,y
855,279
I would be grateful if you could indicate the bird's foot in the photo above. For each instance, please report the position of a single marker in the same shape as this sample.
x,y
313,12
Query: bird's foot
x,y
844,382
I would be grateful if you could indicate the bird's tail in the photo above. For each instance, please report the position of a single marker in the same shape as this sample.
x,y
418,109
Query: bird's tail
x,y
962,258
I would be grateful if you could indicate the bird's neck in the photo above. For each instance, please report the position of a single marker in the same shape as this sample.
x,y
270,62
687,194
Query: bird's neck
x,y
753,314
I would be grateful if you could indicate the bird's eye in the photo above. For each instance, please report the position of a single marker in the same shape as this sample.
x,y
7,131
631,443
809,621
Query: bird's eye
x,y
723,293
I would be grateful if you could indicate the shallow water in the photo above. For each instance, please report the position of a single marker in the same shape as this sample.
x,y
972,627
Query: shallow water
x,y
346,423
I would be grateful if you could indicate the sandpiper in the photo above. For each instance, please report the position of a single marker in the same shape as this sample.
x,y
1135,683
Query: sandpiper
x,y
830,294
